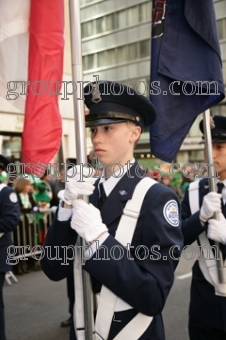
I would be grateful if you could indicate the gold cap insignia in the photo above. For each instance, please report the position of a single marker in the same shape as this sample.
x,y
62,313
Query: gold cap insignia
x,y
212,125
96,98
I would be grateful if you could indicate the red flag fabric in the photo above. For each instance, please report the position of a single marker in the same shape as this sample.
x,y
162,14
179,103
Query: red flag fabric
x,y
43,123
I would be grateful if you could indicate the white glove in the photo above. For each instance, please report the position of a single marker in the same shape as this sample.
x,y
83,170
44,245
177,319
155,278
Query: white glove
x,y
86,221
217,229
77,184
211,204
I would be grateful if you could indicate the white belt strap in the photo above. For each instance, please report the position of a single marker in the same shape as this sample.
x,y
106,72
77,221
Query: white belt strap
x,y
208,265
193,193
2,185
79,313
108,301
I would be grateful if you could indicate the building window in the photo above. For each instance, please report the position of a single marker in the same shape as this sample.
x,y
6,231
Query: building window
x,y
121,19
218,110
118,55
221,29
133,51
106,58
110,24
100,25
101,59
144,48
133,15
89,61
110,56
87,29
84,2
145,11
121,54
224,71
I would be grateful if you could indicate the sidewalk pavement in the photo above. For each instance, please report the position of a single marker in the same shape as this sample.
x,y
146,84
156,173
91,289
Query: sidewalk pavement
x,y
35,307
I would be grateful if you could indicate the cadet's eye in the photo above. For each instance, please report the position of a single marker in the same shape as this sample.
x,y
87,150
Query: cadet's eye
x,y
107,128
93,130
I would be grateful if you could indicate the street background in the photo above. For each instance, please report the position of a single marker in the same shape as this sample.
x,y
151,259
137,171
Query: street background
x,y
35,306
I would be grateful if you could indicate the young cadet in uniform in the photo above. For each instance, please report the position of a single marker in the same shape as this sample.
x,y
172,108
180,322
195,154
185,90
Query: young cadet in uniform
x,y
143,277
207,313
9,220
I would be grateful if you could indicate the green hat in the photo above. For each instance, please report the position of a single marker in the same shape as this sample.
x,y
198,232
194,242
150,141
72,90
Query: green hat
x,y
42,195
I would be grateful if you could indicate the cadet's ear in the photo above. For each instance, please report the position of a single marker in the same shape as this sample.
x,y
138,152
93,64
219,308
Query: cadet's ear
x,y
136,132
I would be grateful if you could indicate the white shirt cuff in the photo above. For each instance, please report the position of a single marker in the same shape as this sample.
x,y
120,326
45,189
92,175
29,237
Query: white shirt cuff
x,y
96,245
63,214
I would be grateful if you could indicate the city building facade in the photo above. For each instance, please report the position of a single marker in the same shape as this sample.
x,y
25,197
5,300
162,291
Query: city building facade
x,y
116,37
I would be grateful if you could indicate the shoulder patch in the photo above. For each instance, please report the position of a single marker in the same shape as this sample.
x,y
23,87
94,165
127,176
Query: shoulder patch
x,y
171,213
13,197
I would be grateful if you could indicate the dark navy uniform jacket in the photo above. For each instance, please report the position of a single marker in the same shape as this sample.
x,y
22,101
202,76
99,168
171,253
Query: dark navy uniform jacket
x,y
143,283
205,307
9,220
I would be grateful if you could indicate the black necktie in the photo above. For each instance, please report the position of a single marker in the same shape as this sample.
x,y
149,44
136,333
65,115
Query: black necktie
x,y
102,196
220,187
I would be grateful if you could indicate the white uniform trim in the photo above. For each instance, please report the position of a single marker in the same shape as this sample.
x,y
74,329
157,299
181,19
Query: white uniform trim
x,y
208,266
108,301
2,185
78,317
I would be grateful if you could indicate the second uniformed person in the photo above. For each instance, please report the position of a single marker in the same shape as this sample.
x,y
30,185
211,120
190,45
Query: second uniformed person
x,y
207,313
9,220
143,277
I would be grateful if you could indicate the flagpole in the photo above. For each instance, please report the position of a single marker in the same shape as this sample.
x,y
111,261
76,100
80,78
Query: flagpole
x,y
77,76
212,184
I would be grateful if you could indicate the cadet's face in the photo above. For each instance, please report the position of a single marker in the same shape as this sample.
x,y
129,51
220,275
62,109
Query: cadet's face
x,y
114,143
219,157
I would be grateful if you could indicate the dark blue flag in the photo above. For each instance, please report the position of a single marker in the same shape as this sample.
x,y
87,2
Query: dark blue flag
x,y
186,74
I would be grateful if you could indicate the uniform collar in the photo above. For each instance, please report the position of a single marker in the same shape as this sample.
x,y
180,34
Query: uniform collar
x,y
110,183
218,181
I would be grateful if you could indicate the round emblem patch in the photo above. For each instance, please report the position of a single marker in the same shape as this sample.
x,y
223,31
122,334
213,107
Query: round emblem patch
x,y
171,214
13,197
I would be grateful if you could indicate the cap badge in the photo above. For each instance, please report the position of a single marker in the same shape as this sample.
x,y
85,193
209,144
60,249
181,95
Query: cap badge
x,y
96,98
212,125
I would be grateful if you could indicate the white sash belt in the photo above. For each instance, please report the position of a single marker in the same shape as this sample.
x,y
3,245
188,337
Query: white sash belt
x,y
207,264
2,185
108,302
120,305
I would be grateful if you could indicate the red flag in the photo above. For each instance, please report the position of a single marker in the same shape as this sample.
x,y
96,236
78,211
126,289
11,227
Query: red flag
x,y
43,124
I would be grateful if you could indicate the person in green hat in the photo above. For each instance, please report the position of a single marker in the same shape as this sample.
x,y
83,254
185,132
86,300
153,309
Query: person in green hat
x,y
43,200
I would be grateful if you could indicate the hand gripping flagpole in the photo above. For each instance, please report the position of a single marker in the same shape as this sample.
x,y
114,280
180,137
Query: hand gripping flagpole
x,y
77,76
209,155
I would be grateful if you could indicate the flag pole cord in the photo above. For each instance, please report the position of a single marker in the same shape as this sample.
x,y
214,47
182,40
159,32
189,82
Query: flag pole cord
x,y
212,183
79,118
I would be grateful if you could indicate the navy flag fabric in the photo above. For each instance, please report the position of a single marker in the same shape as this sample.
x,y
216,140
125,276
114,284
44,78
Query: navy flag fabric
x,y
186,70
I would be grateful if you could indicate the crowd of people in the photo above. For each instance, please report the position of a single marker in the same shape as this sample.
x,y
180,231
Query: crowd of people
x,y
177,181
38,200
